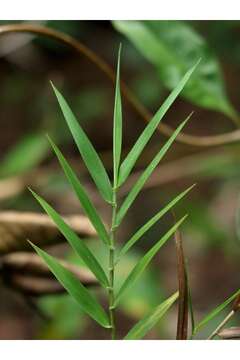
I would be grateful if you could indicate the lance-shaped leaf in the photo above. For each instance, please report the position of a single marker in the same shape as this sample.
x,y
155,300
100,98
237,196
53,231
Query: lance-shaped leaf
x,y
147,133
75,242
74,287
151,222
82,195
146,173
117,124
148,322
172,47
215,312
145,260
88,153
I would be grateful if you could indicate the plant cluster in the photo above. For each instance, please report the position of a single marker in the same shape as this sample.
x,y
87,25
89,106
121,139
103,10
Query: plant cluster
x,y
109,234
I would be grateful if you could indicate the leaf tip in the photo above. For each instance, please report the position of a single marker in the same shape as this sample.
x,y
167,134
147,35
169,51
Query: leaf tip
x,y
51,83
54,88
188,118
35,247
49,139
183,219
31,191
119,49
197,63
192,186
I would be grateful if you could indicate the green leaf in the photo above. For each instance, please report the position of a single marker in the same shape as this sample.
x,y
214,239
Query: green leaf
x,y
147,133
74,287
146,173
26,154
145,260
215,312
144,325
82,195
172,47
117,124
150,223
75,242
88,153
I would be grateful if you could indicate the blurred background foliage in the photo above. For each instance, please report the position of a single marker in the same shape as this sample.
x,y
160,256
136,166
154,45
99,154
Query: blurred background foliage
x,y
155,56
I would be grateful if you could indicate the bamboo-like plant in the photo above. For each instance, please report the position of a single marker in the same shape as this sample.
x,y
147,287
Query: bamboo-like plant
x,y
109,192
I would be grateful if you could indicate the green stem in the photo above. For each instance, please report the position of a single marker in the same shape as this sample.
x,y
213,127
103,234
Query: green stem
x,y
215,332
112,266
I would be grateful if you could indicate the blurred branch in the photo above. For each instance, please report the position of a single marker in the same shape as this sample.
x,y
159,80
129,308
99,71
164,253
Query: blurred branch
x,y
197,164
9,46
28,274
190,165
16,227
127,93
230,333
11,186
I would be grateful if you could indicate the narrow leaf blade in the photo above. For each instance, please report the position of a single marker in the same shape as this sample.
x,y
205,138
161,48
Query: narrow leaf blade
x,y
147,133
152,222
215,312
117,124
148,322
74,287
145,260
75,242
146,174
82,195
87,151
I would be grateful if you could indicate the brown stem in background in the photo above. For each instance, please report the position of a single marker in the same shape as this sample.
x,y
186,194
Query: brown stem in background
x,y
82,49
28,274
182,325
